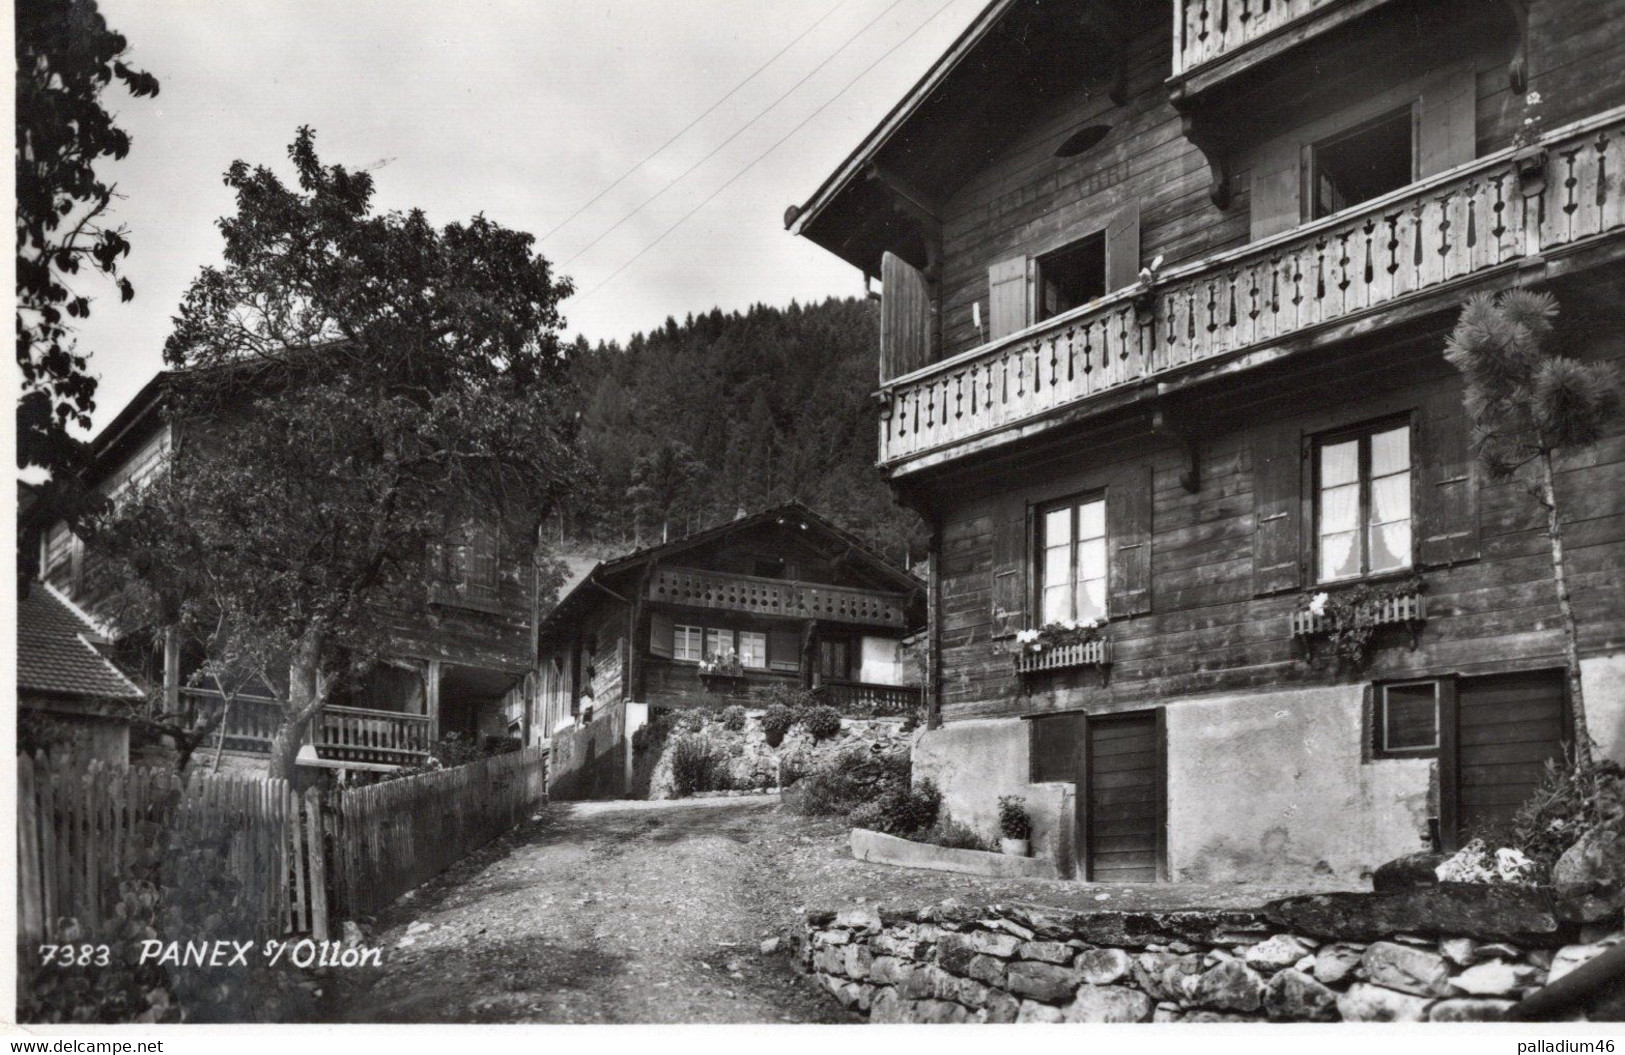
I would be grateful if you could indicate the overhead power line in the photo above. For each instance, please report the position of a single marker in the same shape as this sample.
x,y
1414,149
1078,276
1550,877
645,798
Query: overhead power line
x,y
650,200
763,155
622,178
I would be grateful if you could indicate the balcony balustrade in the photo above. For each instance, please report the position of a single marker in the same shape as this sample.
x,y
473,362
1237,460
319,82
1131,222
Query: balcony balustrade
x,y
343,734
776,597
861,699
1208,30
1421,240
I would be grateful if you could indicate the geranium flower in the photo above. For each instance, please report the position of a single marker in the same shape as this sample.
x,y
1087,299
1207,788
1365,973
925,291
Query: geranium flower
x,y
1317,604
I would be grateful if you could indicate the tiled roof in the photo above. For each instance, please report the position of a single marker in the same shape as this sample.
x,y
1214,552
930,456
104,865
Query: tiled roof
x,y
54,653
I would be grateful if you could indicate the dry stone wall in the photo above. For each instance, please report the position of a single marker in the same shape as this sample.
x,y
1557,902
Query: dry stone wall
x,y
1359,958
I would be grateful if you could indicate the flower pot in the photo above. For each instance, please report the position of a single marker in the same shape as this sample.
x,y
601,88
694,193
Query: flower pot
x,y
1015,847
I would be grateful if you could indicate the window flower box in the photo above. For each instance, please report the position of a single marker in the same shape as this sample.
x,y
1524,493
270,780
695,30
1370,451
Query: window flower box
x,y
1350,617
1063,646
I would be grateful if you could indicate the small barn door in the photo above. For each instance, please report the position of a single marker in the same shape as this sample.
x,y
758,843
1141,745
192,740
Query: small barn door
x,y
1505,728
1123,807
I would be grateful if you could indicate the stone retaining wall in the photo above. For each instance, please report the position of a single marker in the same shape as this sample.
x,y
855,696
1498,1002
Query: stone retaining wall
x,y
1445,954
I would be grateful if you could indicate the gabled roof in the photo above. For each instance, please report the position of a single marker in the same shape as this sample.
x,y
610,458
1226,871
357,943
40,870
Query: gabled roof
x,y
595,582
982,94
56,654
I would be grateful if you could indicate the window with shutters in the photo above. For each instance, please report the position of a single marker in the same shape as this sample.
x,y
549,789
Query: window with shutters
x,y
1072,276
1363,501
1406,719
1071,567
1363,162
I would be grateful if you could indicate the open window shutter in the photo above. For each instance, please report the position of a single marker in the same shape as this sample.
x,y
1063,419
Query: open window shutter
x,y
1007,297
1123,248
905,318
784,650
1128,541
1447,134
661,635
1447,484
1276,188
1277,497
1011,529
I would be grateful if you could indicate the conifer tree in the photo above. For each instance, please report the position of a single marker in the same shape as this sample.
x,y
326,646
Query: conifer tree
x,y
1527,403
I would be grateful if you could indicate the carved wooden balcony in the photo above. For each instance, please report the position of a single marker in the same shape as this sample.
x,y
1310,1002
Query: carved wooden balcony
x,y
856,699
698,588
1213,38
1423,242
345,734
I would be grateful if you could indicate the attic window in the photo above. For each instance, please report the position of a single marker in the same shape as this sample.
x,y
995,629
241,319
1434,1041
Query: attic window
x,y
1363,162
1072,276
1083,139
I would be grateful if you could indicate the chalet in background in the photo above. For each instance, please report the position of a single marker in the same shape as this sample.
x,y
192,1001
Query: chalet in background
x,y
1166,287
461,665
780,597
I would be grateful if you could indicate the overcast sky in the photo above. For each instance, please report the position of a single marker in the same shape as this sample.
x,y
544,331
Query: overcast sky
x,y
523,111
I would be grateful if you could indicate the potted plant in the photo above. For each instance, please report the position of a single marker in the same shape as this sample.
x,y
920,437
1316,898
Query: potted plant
x,y
1015,826
722,667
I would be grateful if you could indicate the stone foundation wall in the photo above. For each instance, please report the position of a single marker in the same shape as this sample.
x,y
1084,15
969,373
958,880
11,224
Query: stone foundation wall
x,y
1442,954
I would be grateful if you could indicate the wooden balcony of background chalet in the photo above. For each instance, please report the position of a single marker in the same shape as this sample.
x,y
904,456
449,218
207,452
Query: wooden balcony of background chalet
x,y
754,595
1432,237
339,734
1214,39
856,698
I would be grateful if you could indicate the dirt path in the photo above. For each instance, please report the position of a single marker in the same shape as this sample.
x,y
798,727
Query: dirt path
x,y
603,912
656,912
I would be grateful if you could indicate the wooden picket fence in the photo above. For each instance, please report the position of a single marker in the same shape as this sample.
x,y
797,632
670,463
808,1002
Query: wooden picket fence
x,y
389,837
80,826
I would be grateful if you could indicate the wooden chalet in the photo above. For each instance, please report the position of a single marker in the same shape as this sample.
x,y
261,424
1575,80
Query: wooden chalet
x,y
1165,292
461,665
781,597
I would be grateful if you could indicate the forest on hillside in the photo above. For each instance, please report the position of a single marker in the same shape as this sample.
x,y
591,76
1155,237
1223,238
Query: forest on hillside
x,y
687,425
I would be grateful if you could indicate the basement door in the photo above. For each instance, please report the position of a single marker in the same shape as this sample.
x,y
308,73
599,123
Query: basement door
x,y
1123,772
1505,727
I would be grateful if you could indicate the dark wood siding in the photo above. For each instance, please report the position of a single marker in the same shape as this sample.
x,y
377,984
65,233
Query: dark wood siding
x,y
1124,799
1506,729
1208,631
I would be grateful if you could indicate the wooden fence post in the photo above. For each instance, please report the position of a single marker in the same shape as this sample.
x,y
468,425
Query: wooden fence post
x,y
318,864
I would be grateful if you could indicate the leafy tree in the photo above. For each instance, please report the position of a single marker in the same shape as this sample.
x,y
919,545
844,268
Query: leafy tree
x,y
1527,403
348,387
66,56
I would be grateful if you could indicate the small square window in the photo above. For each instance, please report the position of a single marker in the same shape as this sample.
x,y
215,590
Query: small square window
x,y
1362,163
1072,276
1407,719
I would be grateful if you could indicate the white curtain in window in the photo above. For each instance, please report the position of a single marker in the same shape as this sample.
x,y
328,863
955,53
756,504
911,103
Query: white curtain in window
x,y
1339,510
753,649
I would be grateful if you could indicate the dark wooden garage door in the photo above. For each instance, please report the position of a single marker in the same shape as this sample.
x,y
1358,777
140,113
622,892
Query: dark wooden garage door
x,y
1125,793
1506,728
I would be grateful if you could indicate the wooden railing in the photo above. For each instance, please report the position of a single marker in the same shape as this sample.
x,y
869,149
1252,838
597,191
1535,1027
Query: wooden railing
x,y
349,734
1205,30
1096,653
352,734
1420,239
859,699
777,597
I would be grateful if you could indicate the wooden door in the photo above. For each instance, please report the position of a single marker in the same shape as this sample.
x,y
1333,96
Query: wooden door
x,y
1505,727
1123,772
